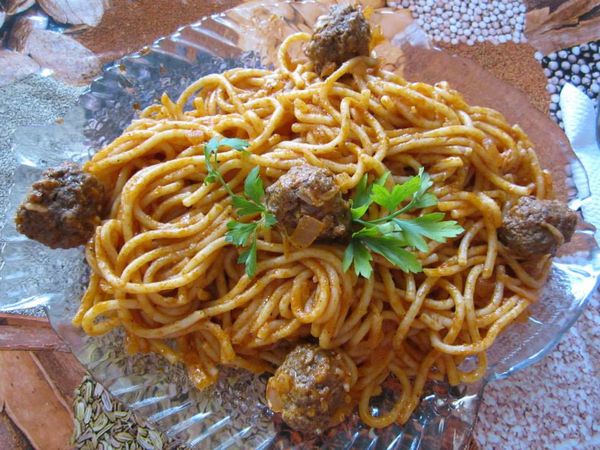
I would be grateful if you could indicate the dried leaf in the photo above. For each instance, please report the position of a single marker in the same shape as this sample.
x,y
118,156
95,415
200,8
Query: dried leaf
x,y
21,28
31,402
70,61
18,320
13,7
26,338
75,12
15,66
561,24
63,370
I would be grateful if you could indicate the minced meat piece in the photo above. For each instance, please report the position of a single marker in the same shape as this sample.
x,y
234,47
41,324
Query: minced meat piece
x,y
535,227
63,208
339,36
309,191
309,388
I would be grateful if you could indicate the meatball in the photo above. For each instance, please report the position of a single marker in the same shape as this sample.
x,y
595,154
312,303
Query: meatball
x,y
339,36
535,227
63,208
309,389
309,191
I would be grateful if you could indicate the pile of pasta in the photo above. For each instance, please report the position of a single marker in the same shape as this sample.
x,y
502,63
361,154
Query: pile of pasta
x,y
163,270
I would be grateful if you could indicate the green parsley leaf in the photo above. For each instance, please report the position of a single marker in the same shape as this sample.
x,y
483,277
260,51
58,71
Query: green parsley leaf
x,y
245,207
212,149
358,254
431,226
362,195
383,178
425,200
211,175
368,231
269,219
360,211
239,233
253,186
217,141
390,200
348,256
248,258
390,236
212,146
391,249
426,182
235,143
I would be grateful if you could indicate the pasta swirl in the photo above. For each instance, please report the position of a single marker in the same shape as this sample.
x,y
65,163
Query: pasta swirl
x,y
163,270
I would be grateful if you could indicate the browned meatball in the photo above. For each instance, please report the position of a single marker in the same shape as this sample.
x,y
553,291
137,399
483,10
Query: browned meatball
x,y
339,36
309,388
535,227
309,191
63,208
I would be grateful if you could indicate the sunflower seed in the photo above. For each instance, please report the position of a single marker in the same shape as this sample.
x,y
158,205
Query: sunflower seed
x,y
114,429
155,438
105,429
85,436
87,391
144,443
88,414
100,423
123,436
79,411
106,403
76,430
98,390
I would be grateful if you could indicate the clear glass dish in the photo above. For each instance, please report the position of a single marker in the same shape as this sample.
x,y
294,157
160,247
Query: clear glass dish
x,y
233,414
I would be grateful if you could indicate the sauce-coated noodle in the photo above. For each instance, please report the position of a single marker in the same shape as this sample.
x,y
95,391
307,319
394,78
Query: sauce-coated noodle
x,y
162,269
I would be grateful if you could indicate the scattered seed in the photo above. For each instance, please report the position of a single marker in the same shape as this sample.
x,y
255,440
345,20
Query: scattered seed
x,y
87,415
106,403
100,423
144,442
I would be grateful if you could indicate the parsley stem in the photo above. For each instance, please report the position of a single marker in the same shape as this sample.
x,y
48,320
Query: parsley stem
x,y
386,218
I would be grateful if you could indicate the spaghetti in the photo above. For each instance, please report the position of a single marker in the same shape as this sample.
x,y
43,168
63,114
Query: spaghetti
x,y
163,270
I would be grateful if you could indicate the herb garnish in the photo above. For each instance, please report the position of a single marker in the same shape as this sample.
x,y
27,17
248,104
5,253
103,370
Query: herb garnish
x,y
390,235
241,234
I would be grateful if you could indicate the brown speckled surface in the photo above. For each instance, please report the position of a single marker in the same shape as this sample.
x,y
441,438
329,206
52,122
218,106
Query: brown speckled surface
x,y
555,403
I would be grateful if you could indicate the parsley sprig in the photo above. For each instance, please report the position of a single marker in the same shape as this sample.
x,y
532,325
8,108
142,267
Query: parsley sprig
x,y
390,235
241,234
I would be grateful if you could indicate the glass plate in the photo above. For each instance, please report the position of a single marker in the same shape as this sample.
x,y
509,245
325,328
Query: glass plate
x,y
233,414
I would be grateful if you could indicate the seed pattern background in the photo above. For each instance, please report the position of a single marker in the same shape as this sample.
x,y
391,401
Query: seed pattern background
x,y
452,22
